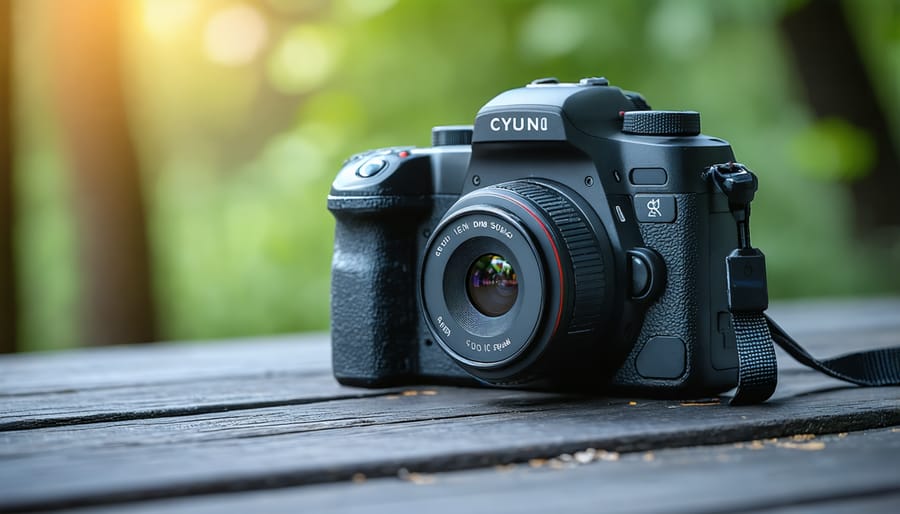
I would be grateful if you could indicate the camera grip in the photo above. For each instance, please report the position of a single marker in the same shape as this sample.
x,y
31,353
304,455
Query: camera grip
x,y
677,313
374,319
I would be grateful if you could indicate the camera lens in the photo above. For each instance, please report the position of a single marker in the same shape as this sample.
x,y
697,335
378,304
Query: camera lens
x,y
492,285
514,282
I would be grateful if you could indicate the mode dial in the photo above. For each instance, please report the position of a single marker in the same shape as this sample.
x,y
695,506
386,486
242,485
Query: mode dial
x,y
451,135
662,123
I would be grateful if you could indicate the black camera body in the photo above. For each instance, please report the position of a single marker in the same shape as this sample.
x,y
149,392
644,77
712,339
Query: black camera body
x,y
568,241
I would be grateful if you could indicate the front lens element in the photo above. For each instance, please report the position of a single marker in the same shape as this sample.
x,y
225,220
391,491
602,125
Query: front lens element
x,y
492,285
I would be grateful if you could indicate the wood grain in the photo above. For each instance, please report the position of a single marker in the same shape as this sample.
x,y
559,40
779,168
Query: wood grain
x,y
133,424
306,444
850,473
133,382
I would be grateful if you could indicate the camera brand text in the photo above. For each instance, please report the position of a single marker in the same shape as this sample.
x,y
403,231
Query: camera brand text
x,y
519,123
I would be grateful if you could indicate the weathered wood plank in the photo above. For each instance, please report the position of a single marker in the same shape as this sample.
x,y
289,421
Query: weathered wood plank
x,y
266,387
293,445
171,399
387,408
367,408
135,382
827,326
141,365
131,423
854,472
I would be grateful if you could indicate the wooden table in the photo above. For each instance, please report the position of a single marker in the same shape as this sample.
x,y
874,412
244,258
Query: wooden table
x,y
260,425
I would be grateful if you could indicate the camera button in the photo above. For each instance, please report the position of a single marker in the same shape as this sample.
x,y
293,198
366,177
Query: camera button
x,y
371,168
648,273
593,81
640,277
649,176
655,208
662,357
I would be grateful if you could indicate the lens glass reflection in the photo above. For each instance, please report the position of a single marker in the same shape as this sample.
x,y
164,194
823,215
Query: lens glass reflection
x,y
492,285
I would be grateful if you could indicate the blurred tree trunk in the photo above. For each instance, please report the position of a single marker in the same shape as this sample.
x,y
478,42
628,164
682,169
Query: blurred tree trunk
x,y
116,300
837,85
8,310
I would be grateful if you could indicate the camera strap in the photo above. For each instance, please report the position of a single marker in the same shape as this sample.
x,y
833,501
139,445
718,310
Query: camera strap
x,y
754,331
868,368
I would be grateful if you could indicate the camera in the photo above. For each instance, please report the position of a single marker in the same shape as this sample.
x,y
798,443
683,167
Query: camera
x,y
569,240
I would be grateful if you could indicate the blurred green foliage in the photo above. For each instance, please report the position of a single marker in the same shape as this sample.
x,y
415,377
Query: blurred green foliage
x,y
243,110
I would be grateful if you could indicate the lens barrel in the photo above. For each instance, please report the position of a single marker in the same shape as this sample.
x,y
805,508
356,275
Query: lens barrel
x,y
514,277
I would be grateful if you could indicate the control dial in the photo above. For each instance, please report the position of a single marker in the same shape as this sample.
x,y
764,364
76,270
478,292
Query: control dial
x,y
662,123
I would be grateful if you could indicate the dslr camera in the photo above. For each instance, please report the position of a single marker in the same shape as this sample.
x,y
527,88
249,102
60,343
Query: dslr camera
x,y
570,239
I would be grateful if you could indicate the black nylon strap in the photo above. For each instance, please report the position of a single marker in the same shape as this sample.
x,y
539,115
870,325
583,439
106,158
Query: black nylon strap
x,y
748,298
757,366
869,368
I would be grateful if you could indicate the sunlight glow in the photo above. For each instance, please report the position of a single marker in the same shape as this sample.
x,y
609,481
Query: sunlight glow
x,y
552,30
235,35
305,57
165,18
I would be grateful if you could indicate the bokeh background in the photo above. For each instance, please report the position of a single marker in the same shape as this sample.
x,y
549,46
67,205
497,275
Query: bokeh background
x,y
232,117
